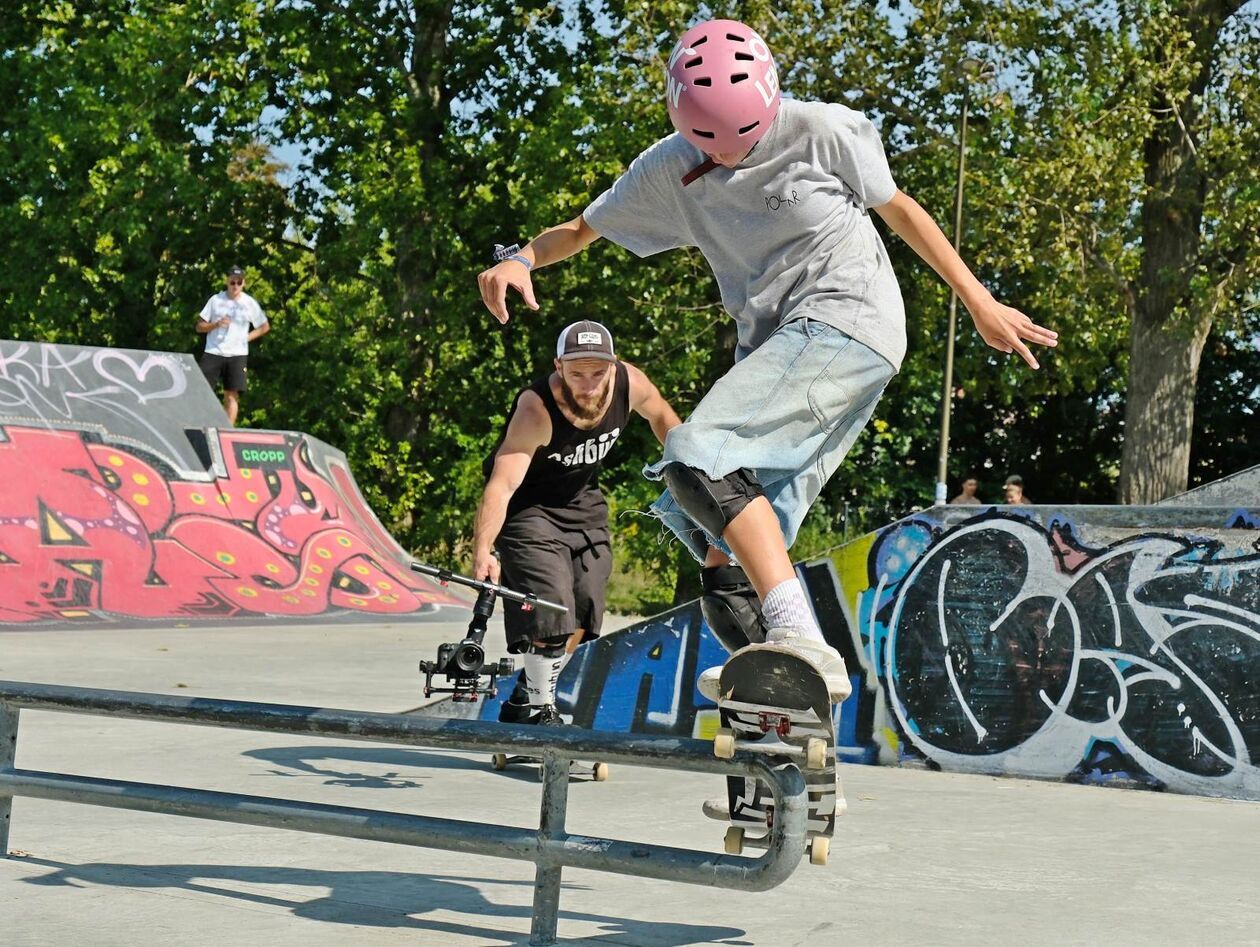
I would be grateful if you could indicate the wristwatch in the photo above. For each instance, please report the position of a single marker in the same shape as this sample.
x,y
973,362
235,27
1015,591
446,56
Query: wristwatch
x,y
513,252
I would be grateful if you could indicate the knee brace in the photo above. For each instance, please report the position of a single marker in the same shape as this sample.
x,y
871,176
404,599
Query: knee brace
x,y
731,608
711,504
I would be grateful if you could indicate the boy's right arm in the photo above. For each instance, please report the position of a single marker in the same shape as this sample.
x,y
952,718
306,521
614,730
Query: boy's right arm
x,y
550,246
529,429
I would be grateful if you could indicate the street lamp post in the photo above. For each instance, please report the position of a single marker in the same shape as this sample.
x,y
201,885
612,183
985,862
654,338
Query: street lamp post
x,y
973,71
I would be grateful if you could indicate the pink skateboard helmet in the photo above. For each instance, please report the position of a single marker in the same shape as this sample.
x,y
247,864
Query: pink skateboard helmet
x,y
721,87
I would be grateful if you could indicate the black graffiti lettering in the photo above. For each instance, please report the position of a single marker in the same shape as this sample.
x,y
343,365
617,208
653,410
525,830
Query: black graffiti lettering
x,y
994,647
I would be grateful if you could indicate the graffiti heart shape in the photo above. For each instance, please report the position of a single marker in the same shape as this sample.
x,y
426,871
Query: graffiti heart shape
x,y
177,381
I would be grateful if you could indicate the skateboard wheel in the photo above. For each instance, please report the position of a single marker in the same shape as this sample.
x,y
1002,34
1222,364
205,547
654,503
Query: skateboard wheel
x,y
819,848
734,841
815,753
499,761
600,772
724,744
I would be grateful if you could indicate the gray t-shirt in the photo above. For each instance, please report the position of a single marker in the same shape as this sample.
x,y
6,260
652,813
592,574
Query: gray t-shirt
x,y
786,233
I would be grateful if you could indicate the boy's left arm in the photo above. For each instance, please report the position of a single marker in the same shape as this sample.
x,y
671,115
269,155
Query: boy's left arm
x,y
1001,326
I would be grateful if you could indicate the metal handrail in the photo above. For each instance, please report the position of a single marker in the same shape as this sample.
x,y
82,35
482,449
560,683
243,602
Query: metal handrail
x,y
550,847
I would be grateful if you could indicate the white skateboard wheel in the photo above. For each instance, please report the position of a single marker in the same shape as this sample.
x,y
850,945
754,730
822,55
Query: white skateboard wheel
x,y
734,841
819,848
815,753
600,772
724,744
499,761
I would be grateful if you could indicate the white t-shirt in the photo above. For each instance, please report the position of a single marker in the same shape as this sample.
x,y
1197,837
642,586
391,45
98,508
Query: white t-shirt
x,y
786,232
245,314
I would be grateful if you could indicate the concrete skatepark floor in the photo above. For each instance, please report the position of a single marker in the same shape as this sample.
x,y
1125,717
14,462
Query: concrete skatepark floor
x,y
921,858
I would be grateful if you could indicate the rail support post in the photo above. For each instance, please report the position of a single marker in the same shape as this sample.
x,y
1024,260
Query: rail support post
x,y
8,751
555,796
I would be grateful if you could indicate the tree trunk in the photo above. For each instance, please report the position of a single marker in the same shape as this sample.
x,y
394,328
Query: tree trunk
x,y
1159,413
1170,326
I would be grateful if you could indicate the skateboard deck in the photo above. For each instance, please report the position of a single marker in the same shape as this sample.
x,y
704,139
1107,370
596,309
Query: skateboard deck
x,y
775,701
597,771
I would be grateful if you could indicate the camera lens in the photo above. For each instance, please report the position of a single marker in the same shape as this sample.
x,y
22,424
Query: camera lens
x,y
469,657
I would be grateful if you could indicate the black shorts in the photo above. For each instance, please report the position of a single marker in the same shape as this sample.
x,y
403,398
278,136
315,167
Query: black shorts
x,y
569,567
231,368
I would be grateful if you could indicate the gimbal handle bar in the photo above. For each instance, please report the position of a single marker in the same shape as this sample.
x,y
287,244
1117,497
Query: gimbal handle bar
x,y
528,600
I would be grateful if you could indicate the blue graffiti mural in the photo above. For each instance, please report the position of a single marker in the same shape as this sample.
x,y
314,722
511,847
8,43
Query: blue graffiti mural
x,y
998,644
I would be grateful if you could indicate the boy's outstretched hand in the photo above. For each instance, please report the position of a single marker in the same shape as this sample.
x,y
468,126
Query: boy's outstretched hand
x,y
1005,329
494,284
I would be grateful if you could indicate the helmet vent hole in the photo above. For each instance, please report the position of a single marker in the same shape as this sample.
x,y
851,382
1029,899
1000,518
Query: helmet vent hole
x,y
747,128
739,77
696,131
693,62
735,37
699,41
745,57
704,81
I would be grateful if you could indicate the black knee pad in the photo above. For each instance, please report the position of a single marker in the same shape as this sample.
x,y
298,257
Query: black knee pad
x,y
731,608
712,504
552,648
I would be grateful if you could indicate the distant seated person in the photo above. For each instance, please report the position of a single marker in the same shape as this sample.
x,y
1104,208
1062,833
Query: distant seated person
x,y
968,496
230,320
1013,491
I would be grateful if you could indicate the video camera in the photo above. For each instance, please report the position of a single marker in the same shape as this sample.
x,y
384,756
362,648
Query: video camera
x,y
464,662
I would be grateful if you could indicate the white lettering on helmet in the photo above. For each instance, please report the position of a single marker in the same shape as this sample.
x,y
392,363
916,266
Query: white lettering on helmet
x,y
770,88
680,49
673,91
759,48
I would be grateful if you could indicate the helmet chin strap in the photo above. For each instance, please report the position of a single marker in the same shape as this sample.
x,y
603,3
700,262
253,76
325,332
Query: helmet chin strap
x,y
708,164
699,171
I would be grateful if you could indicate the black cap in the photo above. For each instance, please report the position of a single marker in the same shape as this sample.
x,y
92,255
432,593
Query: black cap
x,y
585,339
235,271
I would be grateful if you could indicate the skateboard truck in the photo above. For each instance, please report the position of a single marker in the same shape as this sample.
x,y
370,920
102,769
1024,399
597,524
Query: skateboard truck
x,y
463,663
779,723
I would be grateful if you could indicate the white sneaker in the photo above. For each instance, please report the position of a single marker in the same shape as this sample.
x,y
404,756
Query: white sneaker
x,y
708,683
822,655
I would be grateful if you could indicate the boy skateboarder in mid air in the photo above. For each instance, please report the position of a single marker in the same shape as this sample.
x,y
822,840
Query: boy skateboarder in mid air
x,y
777,195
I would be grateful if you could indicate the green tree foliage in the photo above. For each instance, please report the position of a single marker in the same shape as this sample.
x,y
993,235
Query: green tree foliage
x,y
130,170
140,161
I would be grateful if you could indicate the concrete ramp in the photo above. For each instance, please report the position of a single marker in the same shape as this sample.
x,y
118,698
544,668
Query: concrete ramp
x,y
1094,644
127,496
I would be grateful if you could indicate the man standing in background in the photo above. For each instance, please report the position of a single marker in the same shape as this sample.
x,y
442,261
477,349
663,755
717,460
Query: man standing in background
x,y
968,496
1013,491
230,320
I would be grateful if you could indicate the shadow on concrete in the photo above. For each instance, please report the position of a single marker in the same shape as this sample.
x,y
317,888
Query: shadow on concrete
x,y
322,760
376,899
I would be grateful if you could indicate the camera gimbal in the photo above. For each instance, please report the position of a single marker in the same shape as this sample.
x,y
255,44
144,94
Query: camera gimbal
x,y
464,662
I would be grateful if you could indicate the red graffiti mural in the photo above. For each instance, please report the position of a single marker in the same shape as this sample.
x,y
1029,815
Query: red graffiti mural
x,y
89,530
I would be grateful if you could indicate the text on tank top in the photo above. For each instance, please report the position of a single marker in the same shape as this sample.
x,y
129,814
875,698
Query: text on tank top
x,y
562,480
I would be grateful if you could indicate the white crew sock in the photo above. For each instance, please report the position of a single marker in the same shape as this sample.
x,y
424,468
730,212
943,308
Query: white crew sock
x,y
541,674
786,606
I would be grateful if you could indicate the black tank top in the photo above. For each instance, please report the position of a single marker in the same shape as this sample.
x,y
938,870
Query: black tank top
x,y
562,480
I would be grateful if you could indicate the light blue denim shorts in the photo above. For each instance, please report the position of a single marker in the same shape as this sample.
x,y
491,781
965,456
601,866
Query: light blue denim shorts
x,y
789,412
